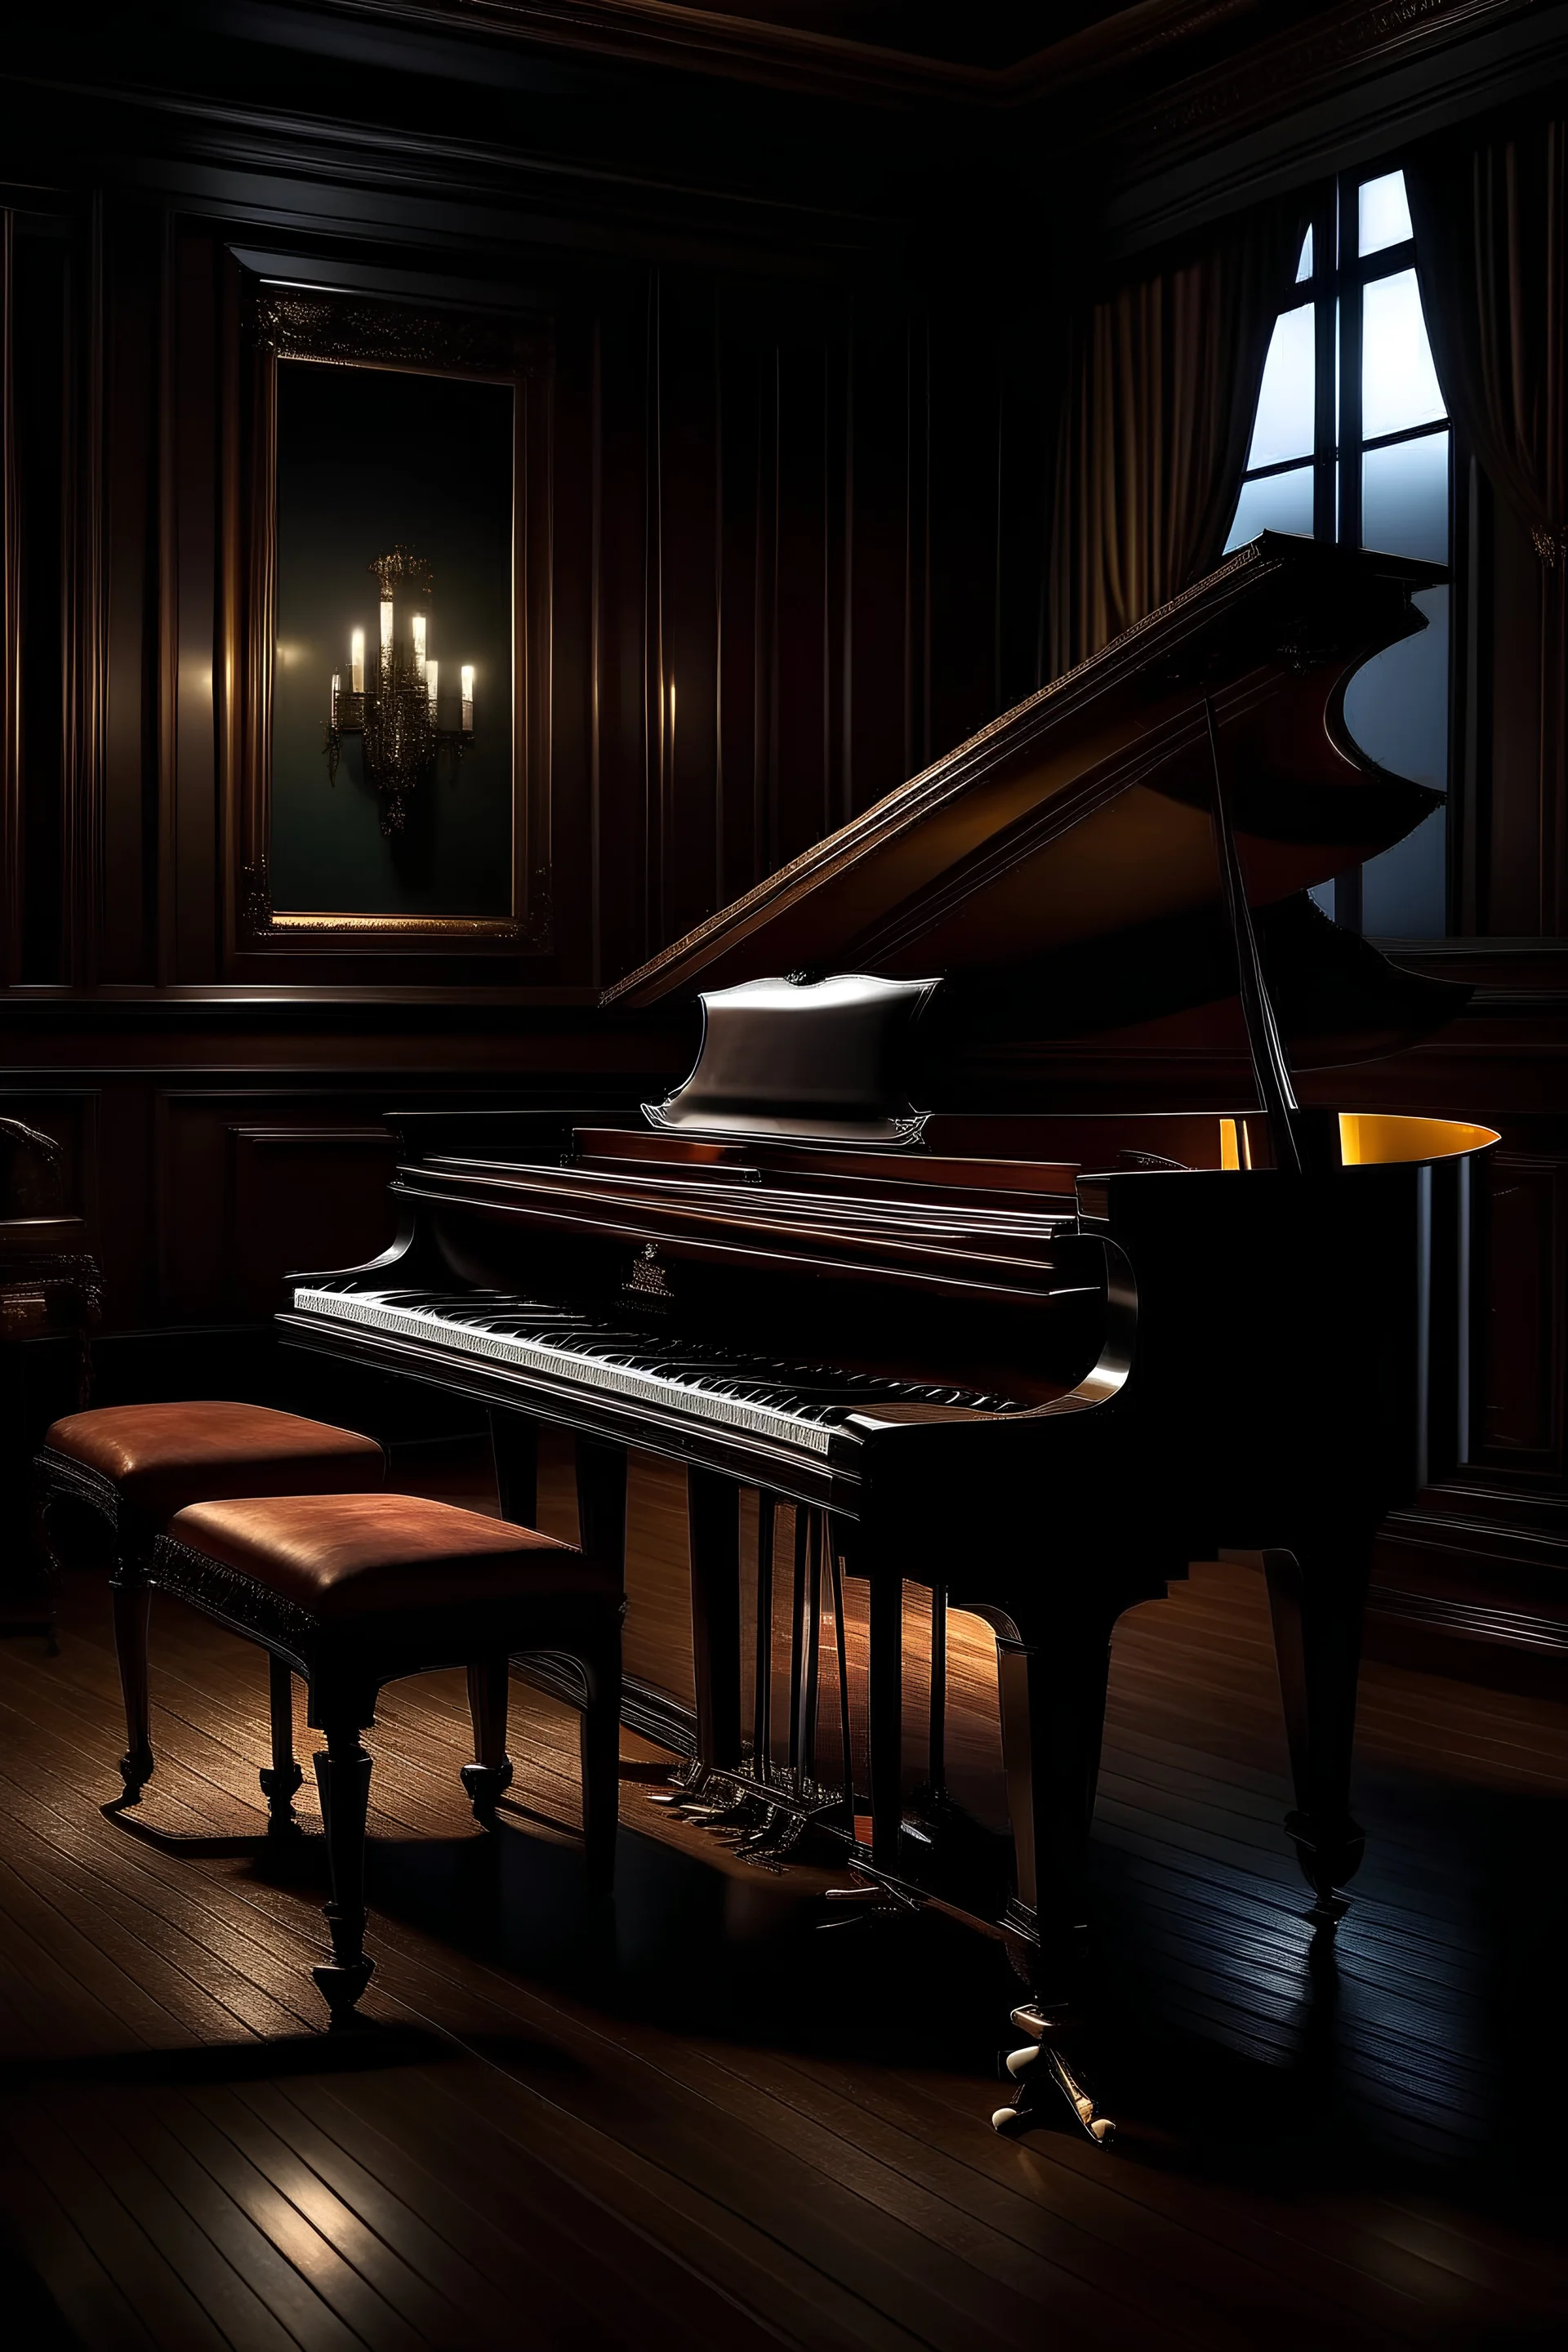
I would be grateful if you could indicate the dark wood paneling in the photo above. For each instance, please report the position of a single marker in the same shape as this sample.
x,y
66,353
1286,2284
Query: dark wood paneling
x,y
1519,1377
799,450
305,1198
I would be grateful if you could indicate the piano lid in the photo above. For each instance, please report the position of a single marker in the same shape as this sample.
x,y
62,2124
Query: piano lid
x,y
1084,813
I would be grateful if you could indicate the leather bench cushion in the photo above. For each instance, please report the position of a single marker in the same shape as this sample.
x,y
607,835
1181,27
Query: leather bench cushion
x,y
346,1556
163,1457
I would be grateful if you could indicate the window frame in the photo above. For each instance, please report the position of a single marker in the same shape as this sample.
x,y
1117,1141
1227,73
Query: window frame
x,y
1339,448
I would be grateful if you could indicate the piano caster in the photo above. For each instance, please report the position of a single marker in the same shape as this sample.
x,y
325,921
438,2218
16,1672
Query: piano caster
x,y
1330,1860
484,1785
1040,2067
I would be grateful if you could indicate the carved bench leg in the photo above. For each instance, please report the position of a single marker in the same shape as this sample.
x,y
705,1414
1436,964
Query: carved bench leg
x,y
132,1599
44,1553
342,1776
490,1772
600,1734
282,1777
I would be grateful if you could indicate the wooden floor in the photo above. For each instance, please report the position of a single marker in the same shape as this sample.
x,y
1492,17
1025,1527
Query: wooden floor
x,y
712,2125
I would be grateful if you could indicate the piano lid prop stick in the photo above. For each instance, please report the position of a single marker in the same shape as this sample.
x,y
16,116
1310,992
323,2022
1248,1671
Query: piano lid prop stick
x,y
1271,1071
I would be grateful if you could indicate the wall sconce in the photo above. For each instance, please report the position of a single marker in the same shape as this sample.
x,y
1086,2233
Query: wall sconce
x,y
397,716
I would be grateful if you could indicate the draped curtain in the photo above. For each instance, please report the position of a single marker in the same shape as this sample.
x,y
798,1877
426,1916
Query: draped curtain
x,y
1163,377
1490,216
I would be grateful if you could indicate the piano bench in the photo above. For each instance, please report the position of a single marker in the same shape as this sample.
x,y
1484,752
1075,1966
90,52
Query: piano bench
x,y
356,1590
133,1467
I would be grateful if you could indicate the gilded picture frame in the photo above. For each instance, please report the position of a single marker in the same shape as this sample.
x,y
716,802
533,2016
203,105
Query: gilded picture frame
x,y
377,349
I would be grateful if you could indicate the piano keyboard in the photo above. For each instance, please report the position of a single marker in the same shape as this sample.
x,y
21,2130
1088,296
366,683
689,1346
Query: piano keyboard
x,y
802,1405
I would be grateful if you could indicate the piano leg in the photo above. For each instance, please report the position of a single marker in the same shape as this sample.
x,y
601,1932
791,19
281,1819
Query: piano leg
x,y
283,1776
713,1522
763,1678
489,1684
885,1701
936,1720
808,1641
601,1504
514,1446
801,1518
1317,1595
1053,1710
600,1747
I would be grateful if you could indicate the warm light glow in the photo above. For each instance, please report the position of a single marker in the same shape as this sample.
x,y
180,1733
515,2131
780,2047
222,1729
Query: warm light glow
x,y
336,679
420,645
1381,1139
386,629
1229,1157
468,697
356,662
432,674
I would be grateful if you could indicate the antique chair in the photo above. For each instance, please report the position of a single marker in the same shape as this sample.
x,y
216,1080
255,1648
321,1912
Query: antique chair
x,y
133,1467
353,1590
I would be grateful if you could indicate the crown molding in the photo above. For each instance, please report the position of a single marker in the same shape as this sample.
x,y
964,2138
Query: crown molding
x,y
1298,69
1336,92
783,57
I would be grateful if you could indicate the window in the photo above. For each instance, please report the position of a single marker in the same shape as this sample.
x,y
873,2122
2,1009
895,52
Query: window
x,y
1351,442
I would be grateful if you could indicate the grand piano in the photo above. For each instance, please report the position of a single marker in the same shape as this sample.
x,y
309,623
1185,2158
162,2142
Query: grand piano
x,y
1030,1361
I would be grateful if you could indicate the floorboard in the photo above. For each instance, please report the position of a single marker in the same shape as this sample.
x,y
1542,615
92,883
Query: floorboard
x,y
707,2124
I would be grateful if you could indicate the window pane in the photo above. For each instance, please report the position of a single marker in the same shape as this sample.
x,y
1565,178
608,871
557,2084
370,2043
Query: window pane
x,y
1405,499
1279,502
1399,383
1404,893
1396,704
1384,211
1283,426
1304,266
1396,707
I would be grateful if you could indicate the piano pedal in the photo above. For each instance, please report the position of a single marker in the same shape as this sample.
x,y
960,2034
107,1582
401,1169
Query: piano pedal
x,y
870,1900
1040,2067
691,1781
771,1839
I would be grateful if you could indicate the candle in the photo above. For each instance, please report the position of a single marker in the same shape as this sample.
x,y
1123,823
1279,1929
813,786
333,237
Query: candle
x,y
336,675
356,662
420,645
468,697
386,632
432,671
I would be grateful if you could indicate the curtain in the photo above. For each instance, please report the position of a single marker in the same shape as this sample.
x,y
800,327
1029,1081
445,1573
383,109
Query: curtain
x,y
1163,378
1490,216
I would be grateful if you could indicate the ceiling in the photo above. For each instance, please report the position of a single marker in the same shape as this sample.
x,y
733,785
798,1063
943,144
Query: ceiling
x,y
989,34
975,49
